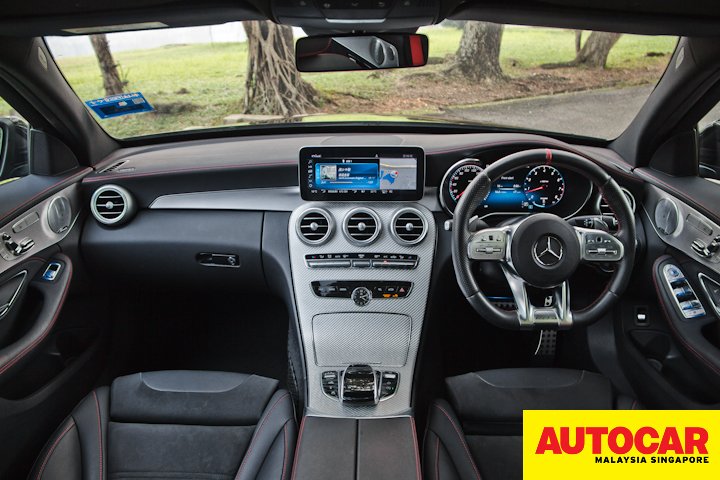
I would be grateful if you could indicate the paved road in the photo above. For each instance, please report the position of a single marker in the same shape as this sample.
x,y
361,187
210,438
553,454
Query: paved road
x,y
596,113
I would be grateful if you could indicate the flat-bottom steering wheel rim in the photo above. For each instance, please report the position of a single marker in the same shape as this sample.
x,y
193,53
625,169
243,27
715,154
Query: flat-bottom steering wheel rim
x,y
478,190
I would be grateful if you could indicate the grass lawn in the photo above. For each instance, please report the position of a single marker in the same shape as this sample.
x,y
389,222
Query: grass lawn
x,y
200,84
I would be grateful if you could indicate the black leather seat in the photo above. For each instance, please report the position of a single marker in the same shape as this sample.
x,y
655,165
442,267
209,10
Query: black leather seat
x,y
478,433
175,425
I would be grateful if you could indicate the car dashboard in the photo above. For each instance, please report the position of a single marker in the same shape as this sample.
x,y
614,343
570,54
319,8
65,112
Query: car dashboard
x,y
350,230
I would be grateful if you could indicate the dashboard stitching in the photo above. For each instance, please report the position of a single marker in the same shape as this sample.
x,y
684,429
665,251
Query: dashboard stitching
x,y
67,180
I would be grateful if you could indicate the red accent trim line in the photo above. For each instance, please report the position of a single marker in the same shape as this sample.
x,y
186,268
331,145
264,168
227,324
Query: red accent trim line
x,y
257,432
42,336
100,442
297,448
52,449
462,440
548,156
66,180
415,448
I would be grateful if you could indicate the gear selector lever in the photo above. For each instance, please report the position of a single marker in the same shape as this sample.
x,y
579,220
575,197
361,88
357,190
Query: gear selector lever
x,y
360,384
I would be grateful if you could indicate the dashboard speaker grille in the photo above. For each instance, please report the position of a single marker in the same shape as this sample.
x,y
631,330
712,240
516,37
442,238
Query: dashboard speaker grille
x,y
362,226
112,205
314,226
409,226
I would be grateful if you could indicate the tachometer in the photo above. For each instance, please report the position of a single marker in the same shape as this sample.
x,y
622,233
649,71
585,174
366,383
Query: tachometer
x,y
456,181
544,186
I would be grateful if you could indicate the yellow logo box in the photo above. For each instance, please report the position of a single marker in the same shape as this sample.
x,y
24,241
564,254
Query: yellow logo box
x,y
621,444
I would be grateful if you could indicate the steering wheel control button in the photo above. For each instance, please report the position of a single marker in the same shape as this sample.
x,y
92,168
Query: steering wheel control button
x,y
361,296
683,293
599,246
488,245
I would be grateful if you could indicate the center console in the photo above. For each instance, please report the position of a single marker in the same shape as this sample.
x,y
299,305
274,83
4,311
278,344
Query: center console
x,y
361,253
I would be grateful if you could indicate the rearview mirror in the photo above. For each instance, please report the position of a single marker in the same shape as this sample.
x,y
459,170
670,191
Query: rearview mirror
x,y
361,52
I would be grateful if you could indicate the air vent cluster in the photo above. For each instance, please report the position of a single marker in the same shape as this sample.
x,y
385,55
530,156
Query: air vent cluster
x,y
114,166
408,226
315,226
112,205
361,226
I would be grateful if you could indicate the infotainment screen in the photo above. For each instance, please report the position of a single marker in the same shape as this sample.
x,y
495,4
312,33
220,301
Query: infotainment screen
x,y
362,173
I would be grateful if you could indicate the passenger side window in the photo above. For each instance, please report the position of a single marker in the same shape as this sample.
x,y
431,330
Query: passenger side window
x,y
14,154
709,128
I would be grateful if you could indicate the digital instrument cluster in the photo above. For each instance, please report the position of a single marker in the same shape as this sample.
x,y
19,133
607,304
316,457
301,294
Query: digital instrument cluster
x,y
525,190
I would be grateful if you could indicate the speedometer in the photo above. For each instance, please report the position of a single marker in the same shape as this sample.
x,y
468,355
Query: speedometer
x,y
456,181
544,186
461,179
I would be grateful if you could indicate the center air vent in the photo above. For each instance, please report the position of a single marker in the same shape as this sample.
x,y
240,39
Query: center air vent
x,y
361,226
408,226
314,226
112,205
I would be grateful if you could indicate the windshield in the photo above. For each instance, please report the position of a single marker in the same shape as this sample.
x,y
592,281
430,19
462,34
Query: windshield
x,y
235,74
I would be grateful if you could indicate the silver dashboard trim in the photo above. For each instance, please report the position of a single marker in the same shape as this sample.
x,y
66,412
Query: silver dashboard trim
x,y
271,199
308,305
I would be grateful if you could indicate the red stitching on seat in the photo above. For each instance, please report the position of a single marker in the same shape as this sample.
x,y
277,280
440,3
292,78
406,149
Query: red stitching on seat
x,y
257,433
462,440
97,409
52,449
42,336
297,448
415,448
437,458
284,451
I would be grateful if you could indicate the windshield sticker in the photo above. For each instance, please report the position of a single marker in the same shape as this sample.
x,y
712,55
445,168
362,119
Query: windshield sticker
x,y
117,105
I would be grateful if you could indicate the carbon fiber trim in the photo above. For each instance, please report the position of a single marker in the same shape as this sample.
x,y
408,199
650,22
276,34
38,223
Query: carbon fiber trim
x,y
361,338
376,338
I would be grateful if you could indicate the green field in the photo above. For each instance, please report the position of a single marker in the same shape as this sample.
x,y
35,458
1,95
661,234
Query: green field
x,y
198,85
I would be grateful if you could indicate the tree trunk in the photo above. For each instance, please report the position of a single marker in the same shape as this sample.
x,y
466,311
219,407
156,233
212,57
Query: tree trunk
x,y
578,41
273,85
478,57
596,49
111,78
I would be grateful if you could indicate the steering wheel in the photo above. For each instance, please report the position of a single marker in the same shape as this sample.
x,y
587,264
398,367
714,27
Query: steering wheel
x,y
542,250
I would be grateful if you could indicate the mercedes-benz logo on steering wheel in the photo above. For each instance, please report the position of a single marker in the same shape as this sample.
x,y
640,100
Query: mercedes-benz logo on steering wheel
x,y
548,250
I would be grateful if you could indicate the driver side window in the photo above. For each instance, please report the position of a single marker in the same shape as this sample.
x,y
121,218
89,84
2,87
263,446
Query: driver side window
x,y
14,157
709,144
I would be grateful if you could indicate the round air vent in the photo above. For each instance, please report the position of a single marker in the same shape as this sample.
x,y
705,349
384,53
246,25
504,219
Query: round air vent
x,y
59,215
112,205
408,226
314,226
361,226
666,216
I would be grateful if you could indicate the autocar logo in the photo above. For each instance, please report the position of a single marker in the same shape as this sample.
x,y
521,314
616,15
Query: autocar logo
x,y
548,251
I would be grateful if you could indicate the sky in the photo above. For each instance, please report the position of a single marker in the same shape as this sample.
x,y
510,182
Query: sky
x,y
80,44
